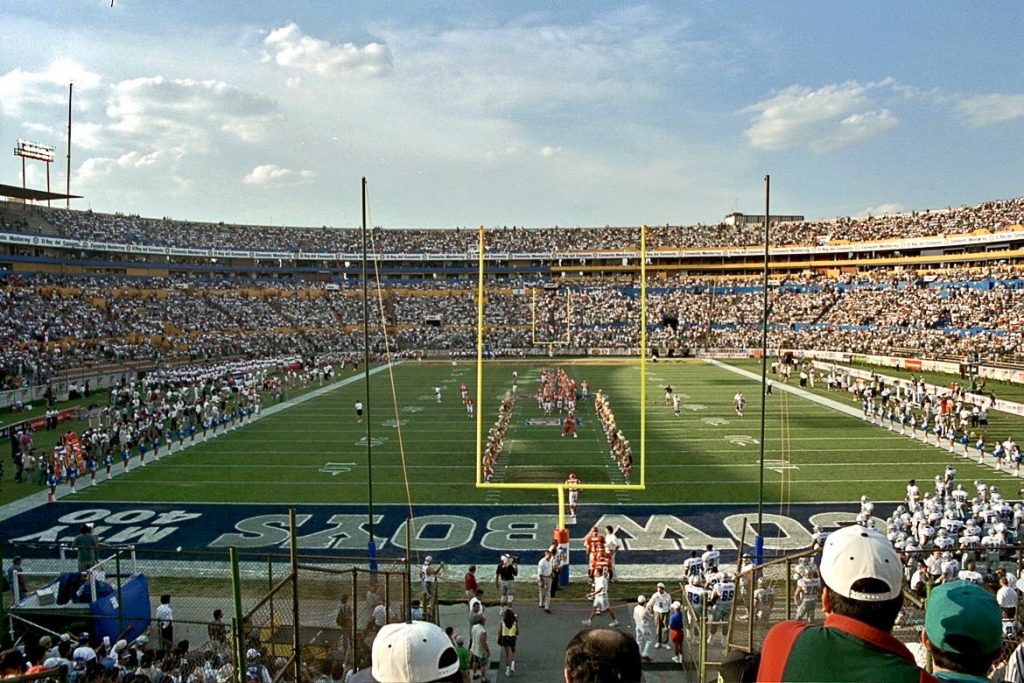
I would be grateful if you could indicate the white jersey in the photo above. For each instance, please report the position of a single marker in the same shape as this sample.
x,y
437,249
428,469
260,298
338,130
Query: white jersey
x,y
764,598
710,559
692,565
971,576
695,596
810,589
724,593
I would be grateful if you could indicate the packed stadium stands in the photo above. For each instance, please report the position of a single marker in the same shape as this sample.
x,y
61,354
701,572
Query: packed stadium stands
x,y
127,229
69,308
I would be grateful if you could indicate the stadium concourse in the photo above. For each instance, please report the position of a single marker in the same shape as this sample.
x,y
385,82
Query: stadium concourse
x,y
192,348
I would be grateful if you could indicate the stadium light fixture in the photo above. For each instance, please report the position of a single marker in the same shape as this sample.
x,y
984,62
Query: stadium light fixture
x,y
36,152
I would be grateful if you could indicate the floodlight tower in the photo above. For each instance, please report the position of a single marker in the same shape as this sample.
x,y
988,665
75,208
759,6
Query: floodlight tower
x,y
36,152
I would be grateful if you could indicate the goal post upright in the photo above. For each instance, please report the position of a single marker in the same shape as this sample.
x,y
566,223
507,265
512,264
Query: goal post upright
x,y
643,356
480,360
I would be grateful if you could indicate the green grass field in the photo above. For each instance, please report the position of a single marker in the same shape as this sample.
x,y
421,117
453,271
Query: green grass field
x,y
707,455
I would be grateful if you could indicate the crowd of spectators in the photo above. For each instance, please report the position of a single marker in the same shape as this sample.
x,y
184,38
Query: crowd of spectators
x,y
55,323
166,232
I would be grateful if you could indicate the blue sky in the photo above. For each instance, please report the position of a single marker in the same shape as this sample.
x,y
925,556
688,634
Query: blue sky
x,y
538,114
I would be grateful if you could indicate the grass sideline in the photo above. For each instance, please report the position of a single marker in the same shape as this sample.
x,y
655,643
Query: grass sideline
x,y
44,441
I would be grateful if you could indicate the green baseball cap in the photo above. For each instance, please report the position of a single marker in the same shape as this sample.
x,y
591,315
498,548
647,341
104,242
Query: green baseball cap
x,y
963,618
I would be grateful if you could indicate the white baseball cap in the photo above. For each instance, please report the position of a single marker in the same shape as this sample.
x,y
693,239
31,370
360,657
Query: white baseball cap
x,y
413,652
660,585
856,552
641,599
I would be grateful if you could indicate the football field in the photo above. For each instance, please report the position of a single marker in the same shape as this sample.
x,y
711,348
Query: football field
x,y
423,451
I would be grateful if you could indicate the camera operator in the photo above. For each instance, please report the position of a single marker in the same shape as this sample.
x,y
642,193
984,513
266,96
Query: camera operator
x,y
505,578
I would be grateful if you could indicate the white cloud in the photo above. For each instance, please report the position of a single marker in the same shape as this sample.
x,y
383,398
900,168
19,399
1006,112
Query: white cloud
x,y
989,110
134,159
269,173
88,136
550,151
855,128
288,46
186,113
95,169
40,129
829,118
626,55
20,89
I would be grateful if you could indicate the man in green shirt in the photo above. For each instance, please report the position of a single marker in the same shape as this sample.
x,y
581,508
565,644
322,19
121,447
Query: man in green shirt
x,y
861,594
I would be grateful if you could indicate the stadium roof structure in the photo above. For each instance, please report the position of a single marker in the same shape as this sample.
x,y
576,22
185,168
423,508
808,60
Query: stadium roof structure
x,y
15,192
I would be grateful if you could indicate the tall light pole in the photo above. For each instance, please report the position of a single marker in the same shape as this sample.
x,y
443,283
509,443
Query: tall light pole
x,y
759,538
372,544
67,191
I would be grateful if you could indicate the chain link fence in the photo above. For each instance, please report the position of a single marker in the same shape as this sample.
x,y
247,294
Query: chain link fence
x,y
236,616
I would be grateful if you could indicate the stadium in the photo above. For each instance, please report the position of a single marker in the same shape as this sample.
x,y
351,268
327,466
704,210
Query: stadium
x,y
249,451
284,345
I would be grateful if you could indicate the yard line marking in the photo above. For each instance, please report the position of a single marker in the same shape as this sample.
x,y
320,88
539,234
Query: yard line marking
x,y
177,483
779,465
470,466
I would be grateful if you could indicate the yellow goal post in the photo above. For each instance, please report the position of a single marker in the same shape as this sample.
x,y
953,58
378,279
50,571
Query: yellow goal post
x,y
557,486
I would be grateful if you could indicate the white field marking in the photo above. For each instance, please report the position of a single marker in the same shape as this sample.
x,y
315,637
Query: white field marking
x,y
713,421
336,468
533,443
469,484
741,439
694,407
289,435
779,465
36,500
718,465
374,441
